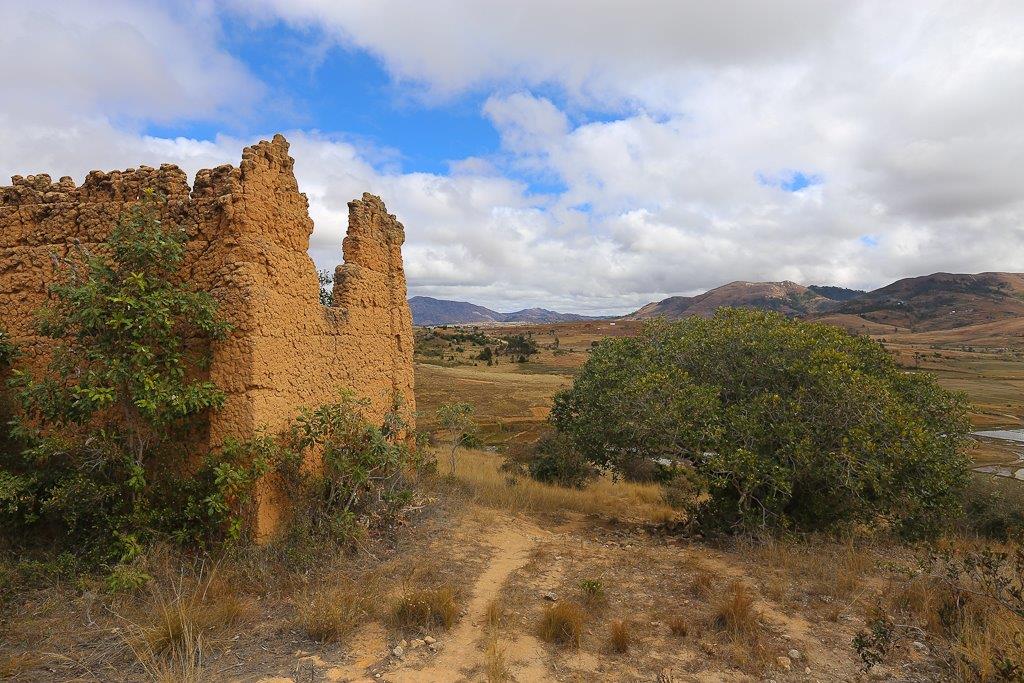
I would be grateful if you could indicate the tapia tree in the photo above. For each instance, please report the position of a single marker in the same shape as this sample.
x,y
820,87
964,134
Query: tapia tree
x,y
784,423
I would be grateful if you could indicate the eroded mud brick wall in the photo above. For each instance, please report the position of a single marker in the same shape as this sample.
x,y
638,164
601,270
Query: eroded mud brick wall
x,y
249,230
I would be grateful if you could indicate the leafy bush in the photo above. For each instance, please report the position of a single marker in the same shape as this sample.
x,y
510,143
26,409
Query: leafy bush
x,y
358,480
556,461
102,428
994,508
326,279
7,350
786,424
519,345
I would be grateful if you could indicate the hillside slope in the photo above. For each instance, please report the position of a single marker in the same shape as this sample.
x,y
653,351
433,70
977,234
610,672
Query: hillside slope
x,y
942,301
787,298
429,311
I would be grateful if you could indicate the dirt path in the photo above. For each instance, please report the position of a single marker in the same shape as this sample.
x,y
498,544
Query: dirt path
x,y
462,649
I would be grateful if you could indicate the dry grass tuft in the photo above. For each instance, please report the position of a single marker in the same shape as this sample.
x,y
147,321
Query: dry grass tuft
x,y
478,470
331,615
494,614
592,592
703,583
825,568
176,625
425,610
620,638
679,627
563,624
496,667
735,618
735,615
12,666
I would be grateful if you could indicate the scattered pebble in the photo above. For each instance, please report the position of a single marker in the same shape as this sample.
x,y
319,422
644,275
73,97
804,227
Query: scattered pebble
x,y
783,663
795,655
550,595
417,643
429,640
398,651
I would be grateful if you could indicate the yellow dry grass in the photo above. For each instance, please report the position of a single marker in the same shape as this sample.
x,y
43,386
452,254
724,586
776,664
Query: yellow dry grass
x,y
496,667
494,614
563,624
735,613
425,609
981,634
679,626
489,486
175,625
330,614
620,638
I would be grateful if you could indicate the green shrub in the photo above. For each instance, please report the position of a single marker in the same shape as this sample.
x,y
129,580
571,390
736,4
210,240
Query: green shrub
x,y
519,345
556,461
359,479
8,352
786,424
102,428
994,508
326,279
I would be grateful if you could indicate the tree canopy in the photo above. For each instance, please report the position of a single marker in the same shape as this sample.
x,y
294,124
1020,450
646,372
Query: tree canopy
x,y
783,423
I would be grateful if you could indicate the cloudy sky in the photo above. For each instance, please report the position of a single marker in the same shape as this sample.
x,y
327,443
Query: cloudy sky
x,y
588,155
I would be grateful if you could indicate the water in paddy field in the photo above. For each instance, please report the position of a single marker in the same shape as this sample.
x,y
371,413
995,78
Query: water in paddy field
x,y
1011,436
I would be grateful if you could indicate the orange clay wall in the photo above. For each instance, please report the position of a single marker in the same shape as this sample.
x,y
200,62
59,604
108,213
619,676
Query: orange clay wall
x,y
249,231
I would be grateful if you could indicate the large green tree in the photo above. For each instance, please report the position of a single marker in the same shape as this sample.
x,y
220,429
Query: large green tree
x,y
785,424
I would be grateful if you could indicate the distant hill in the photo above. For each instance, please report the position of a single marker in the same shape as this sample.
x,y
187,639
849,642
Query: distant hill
x,y
429,311
941,301
787,298
836,293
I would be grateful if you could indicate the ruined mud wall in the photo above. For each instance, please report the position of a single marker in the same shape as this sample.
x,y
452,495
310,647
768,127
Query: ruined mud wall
x,y
249,231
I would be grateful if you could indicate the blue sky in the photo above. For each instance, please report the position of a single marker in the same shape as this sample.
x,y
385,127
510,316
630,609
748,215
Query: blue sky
x,y
318,84
575,155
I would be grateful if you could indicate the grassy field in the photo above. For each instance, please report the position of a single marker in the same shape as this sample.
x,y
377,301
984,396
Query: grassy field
x,y
512,399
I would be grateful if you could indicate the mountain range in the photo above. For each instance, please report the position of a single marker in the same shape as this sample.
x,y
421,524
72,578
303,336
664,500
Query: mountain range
x,y
940,301
428,311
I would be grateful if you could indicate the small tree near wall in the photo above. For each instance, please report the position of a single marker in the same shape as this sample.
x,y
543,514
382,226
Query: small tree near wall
x,y
457,420
107,419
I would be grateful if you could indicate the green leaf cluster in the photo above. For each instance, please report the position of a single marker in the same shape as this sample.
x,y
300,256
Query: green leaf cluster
x,y
358,480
